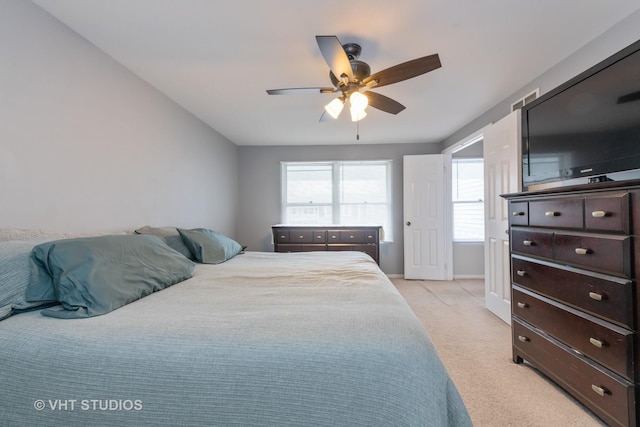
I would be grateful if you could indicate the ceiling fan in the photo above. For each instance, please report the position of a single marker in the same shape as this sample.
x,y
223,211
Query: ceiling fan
x,y
352,79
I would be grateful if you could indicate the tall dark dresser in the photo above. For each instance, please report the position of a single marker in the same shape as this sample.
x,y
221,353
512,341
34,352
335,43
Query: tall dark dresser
x,y
575,258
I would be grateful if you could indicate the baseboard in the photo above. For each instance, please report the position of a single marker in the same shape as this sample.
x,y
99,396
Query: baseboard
x,y
457,276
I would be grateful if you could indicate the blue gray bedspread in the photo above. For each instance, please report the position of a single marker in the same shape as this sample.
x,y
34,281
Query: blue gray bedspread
x,y
265,339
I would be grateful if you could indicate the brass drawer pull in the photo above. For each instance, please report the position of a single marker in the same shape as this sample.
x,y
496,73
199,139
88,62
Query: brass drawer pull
x,y
521,273
551,213
522,305
582,251
599,390
596,342
523,339
598,214
527,242
595,296
518,213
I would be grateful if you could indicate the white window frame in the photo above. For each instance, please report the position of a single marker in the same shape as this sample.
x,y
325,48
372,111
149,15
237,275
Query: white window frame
x,y
462,202
386,235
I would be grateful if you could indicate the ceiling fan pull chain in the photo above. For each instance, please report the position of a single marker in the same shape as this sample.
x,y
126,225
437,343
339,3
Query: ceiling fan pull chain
x,y
358,130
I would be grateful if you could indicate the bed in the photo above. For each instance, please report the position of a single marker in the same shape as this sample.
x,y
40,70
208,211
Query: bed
x,y
262,339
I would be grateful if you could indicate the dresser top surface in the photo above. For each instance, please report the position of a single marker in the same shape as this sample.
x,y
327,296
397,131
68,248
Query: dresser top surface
x,y
583,188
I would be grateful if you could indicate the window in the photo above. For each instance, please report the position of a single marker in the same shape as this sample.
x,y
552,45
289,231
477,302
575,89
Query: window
x,y
468,204
349,193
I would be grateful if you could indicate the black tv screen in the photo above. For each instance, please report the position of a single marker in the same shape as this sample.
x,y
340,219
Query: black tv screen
x,y
587,127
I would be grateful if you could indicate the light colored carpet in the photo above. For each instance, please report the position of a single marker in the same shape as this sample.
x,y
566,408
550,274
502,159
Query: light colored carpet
x,y
475,346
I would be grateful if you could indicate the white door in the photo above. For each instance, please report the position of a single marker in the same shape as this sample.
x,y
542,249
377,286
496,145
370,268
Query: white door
x,y
427,217
501,176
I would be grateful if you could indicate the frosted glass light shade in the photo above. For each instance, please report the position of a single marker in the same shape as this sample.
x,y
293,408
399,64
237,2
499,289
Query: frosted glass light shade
x,y
357,114
358,101
334,107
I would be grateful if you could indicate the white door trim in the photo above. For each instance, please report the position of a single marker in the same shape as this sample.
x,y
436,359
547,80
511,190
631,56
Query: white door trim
x,y
465,142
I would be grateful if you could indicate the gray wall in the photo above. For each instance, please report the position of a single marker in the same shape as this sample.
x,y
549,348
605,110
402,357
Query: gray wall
x,y
468,260
259,187
85,145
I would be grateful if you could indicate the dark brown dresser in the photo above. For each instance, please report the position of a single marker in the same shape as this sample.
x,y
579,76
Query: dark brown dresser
x,y
296,238
575,305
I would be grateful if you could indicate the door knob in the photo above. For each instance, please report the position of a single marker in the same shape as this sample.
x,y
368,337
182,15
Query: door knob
x,y
408,222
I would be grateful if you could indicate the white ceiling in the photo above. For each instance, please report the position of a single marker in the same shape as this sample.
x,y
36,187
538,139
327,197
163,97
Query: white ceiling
x,y
216,58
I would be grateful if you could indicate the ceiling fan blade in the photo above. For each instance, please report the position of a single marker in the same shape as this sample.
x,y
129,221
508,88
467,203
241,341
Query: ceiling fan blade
x,y
383,103
300,90
335,56
325,117
404,71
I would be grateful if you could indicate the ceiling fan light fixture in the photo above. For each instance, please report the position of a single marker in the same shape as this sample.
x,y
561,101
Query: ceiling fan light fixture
x,y
349,76
358,101
334,108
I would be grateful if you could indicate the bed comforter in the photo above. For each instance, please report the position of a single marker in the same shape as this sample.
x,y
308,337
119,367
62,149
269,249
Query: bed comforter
x,y
265,339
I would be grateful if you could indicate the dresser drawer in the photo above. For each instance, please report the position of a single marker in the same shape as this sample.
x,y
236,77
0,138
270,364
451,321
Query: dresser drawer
x,y
561,213
611,397
291,247
346,236
281,236
607,253
527,241
610,345
371,250
603,296
300,236
352,236
319,236
333,236
609,213
371,237
519,212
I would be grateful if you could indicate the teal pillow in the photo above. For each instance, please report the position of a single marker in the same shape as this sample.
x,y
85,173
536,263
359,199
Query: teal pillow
x,y
14,277
95,275
208,246
170,236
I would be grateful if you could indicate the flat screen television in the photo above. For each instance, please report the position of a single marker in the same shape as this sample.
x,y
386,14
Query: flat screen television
x,y
588,128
